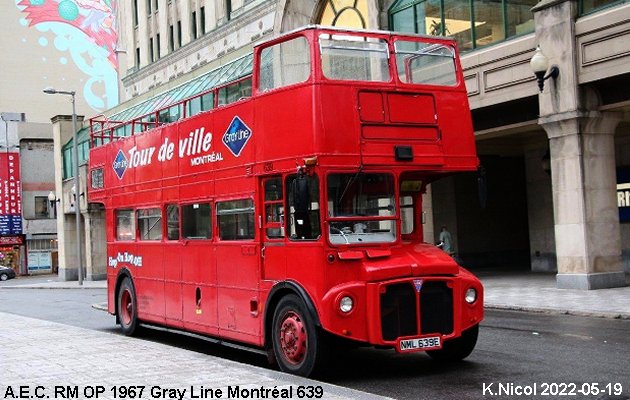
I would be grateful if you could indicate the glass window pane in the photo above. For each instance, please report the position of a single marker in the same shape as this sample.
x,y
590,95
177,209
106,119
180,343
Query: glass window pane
x,y
403,21
489,24
303,198
457,21
406,214
197,221
194,106
207,101
520,17
285,64
172,222
125,227
150,224
236,219
429,18
425,63
354,58
590,5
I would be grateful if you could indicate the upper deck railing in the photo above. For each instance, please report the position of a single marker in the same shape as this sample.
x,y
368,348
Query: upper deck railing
x,y
312,54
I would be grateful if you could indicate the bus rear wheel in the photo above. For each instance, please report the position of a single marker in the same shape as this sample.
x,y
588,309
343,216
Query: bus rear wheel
x,y
127,307
298,345
457,349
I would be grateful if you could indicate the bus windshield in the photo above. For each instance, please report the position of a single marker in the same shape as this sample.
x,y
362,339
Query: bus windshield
x,y
354,58
361,208
425,63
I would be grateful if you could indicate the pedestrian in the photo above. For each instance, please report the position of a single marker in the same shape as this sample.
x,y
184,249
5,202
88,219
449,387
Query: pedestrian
x,y
446,241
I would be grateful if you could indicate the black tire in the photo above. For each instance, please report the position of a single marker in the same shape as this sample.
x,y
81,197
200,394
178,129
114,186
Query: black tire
x,y
127,307
4,277
457,349
300,348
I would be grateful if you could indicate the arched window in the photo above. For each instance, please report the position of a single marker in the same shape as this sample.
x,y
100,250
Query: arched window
x,y
473,23
345,13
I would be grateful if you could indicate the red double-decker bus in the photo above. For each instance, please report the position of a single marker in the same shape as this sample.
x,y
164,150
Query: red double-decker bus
x,y
291,217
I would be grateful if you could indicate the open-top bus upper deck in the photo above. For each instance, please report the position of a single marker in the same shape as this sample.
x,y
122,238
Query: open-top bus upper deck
x,y
350,98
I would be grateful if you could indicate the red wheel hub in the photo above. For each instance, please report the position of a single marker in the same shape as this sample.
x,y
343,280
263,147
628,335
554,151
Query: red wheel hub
x,y
126,307
293,337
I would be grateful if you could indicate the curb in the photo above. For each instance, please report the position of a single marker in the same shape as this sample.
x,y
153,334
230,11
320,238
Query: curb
x,y
554,311
51,287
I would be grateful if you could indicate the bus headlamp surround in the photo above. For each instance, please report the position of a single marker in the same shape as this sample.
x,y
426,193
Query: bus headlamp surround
x,y
471,295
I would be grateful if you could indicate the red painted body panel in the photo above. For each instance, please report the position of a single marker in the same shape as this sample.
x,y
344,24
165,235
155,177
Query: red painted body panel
x,y
220,287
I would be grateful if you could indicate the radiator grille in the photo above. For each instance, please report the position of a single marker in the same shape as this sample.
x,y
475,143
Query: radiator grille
x,y
398,311
436,308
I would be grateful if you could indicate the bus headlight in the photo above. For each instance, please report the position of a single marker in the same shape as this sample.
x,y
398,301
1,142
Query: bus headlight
x,y
346,304
471,295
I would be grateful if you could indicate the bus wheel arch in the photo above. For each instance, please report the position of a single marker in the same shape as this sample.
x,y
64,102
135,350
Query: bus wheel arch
x,y
279,291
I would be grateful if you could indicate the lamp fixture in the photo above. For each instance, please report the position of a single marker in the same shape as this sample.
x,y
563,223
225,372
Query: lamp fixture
x,y
52,199
540,64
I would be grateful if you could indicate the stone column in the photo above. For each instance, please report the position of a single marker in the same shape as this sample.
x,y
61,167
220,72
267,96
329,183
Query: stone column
x,y
588,241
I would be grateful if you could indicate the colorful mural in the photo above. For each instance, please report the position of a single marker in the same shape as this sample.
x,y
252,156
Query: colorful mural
x,y
87,31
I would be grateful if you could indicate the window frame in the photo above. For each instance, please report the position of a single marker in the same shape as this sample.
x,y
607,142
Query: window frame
x,y
140,235
236,211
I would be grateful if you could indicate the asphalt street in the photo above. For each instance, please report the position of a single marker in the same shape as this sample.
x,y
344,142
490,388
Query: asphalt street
x,y
515,349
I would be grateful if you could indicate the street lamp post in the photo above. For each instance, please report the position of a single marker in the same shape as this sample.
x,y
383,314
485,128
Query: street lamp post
x,y
75,155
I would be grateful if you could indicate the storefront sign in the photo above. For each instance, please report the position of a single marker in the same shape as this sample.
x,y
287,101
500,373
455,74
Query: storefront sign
x,y
15,240
623,194
10,194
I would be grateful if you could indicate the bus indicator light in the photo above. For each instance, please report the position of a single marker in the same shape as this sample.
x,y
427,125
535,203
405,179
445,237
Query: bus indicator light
x,y
236,136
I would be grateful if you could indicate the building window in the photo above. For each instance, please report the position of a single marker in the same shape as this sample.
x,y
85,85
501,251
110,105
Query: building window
x,y
339,13
202,20
473,24
236,219
193,24
157,45
156,5
138,57
41,207
228,9
125,227
151,53
171,39
149,6
197,221
587,6
150,224
135,12
179,33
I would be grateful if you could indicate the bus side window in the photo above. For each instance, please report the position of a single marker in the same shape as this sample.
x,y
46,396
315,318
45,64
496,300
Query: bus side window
x,y
197,221
274,208
236,219
150,223
172,222
303,200
125,226
407,214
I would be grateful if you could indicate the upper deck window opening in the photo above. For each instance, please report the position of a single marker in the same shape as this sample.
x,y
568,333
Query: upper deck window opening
x,y
284,64
425,63
354,58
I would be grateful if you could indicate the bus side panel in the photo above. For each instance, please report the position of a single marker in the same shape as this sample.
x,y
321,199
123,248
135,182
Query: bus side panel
x,y
238,282
149,281
173,263
286,130
199,292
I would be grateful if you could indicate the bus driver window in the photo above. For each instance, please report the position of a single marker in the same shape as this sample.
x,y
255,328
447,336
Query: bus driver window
x,y
303,198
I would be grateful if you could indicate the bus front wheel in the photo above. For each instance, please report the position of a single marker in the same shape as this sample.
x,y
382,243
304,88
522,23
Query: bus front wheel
x,y
299,346
127,307
457,349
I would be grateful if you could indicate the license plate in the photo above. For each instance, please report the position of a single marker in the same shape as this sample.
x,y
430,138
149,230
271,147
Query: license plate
x,y
419,344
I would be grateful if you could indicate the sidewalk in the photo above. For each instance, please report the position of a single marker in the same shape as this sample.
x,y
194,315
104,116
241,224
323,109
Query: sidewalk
x,y
45,356
522,290
537,292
